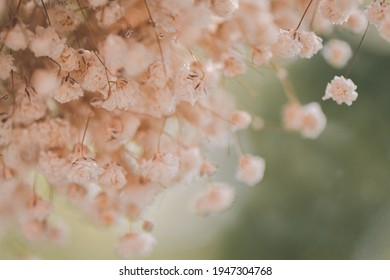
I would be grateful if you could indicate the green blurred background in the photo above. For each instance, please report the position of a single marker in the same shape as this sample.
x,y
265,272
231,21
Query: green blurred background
x,y
327,198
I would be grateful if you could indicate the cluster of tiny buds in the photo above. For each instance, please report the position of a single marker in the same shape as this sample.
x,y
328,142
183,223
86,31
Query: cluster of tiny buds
x,y
109,102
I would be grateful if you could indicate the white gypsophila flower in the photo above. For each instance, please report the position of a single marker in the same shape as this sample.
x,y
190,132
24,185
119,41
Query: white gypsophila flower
x,y
29,106
341,90
121,95
313,120
114,49
216,199
309,120
84,171
190,164
54,167
68,91
233,66
377,11
16,38
261,55
46,42
44,82
188,85
311,43
135,245
6,66
63,19
337,11
250,169
162,168
109,14
50,133
113,177
93,75
287,45
224,8
240,120
337,53
357,22
69,59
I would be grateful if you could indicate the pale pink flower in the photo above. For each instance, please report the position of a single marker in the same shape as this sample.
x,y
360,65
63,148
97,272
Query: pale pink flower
x,y
45,82
224,8
313,120
341,90
54,167
287,45
377,11
17,38
109,14
84,171
162,168
51,133
240,120
63,19
337,53
250,169
218,198
68,91
38,208
337,11
188,84
309,119
46,42
135,245
120,95
311,43
69,59
113,177
29,107
357,21
233,67
6,66
261,55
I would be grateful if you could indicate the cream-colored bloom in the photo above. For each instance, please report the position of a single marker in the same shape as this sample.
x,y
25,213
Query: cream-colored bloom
x,y
218,198
162,168
46,42
240,120
341,90
337,53
135,245
84,171
250,169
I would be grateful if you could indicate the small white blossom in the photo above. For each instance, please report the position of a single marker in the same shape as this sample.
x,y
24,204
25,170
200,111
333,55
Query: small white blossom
x,y
218,198
68,91
337,53
250,169
46,42
240,120
121,95
114,177
84,171
162,168
341,90
135,245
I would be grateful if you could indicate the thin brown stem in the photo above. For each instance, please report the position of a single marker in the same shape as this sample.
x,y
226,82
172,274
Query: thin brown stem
x,y
355,53
46,13
157,37
304,14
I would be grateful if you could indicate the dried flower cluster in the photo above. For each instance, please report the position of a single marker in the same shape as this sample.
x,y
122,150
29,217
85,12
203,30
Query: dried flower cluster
x,y
111,101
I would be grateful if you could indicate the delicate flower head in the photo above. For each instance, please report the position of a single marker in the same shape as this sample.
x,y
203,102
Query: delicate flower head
x,y
135,245
162,168
337,53
240,120
341,90
311,43
6,66
250,169
114,177
46,42
121,95
217,198
287,45
84,171
17,38
68,91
